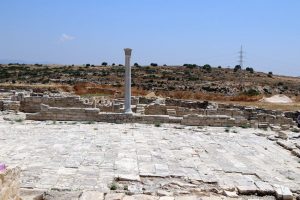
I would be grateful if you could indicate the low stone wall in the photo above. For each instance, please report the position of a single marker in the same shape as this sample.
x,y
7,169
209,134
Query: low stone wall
x,y
10,184
212,120
94,114
156,109
188,104
292,115
228,117
9,105
272,119
32,104
64,114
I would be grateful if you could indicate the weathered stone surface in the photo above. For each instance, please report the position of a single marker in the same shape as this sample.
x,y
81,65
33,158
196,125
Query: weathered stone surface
x,y
94,195
187,197
296,152
163,193
31,194
114,196
61,195
247,189
264,188
286,144
101,151
283,135
283,192
128,177
143,197
166,198
231,194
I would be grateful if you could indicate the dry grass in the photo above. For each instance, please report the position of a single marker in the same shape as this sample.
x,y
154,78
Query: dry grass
x,y
92,88
207,96
270,106
38,87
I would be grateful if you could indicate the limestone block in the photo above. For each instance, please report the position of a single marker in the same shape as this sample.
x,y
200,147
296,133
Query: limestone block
x,y
283,192
264,188
283,135
247,189
263,125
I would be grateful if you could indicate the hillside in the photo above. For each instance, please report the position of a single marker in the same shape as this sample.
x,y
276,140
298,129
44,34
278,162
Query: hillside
x,y
176,81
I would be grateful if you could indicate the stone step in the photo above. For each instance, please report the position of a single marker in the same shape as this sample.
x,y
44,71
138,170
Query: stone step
x,y
140,108
171,112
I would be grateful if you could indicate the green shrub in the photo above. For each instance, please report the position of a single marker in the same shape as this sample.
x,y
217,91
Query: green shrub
x,y
251,92
125,187
245,126
157,124
113,186
295,130
19,120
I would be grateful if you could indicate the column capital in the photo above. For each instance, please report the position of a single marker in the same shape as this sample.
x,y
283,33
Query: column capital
x,y
128,51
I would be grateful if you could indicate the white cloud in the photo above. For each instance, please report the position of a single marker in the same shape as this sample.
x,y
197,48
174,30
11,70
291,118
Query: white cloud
x,y
64,37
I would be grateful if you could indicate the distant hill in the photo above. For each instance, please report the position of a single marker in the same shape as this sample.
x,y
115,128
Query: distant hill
x,y
184,81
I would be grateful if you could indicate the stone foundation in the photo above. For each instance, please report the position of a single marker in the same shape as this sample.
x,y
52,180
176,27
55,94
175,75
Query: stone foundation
x,y
156,109
94,114
9,105
189,104
73,108
33,104
213,120
65,114
9,184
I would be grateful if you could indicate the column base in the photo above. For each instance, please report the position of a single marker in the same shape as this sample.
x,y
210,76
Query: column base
x,y
128,111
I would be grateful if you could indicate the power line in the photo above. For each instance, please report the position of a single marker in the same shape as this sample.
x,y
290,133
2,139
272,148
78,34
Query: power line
x,y
241,57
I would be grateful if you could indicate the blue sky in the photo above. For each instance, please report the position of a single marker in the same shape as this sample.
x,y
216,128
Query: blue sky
x,y
163,31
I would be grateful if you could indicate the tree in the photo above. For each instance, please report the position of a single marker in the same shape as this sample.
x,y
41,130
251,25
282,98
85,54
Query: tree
x,y
136,65
104,64
154,64
87,65
190,66
237,67
250,69
207,67
113,64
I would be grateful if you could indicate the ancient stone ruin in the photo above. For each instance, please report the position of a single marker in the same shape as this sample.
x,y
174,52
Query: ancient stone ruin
x,y
72,147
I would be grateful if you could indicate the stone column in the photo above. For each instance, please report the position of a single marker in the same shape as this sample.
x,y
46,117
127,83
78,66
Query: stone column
x,y
127,81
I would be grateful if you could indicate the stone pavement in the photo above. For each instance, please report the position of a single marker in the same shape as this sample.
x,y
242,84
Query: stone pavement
x,y
92,156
